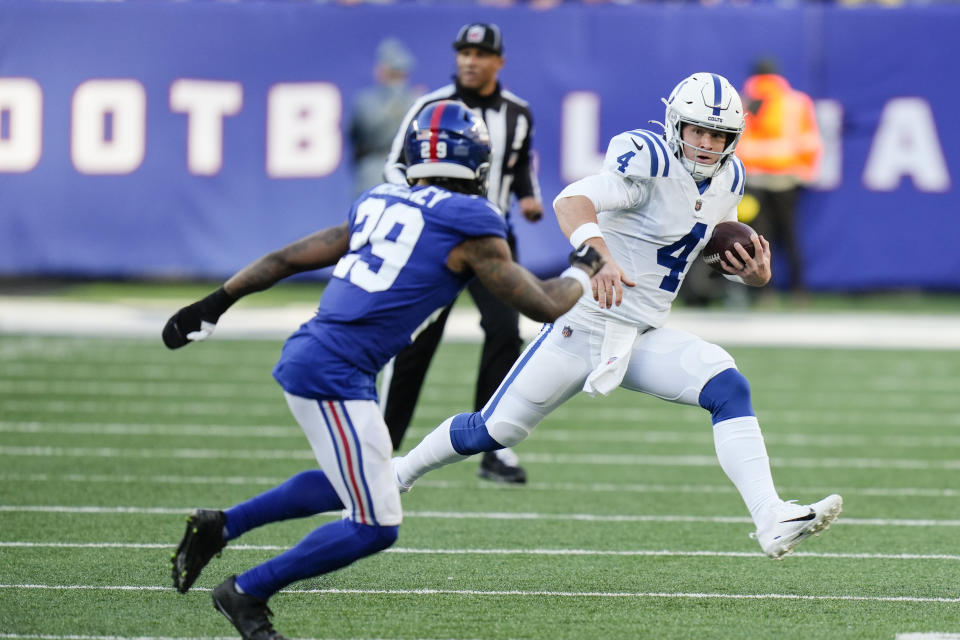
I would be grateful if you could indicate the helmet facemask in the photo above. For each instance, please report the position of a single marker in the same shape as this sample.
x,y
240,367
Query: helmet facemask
x,y
702,170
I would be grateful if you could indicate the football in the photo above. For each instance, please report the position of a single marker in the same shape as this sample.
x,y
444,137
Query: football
x,y
725,234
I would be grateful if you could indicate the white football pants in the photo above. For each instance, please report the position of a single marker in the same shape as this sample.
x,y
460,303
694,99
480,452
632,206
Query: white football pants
x,y
352,446
666,363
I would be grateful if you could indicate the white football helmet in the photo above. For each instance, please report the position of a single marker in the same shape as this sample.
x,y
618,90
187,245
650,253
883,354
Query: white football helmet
x,y
710,101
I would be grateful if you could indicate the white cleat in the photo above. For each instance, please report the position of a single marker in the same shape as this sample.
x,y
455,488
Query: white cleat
x,y
401,487
791,523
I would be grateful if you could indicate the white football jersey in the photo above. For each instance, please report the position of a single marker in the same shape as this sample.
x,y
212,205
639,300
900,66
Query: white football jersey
x,y
654,219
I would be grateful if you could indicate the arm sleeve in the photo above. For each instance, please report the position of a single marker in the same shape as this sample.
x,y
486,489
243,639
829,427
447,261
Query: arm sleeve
x,y
525,181
633,159
607,191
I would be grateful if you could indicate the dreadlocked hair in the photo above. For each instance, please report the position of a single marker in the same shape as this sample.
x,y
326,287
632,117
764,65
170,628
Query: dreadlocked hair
x,y
459,185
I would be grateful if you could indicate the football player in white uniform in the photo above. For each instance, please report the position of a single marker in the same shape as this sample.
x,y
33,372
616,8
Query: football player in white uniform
x,y
649,212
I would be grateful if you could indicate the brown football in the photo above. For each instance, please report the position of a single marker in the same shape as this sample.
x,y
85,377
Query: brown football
x,y
725,234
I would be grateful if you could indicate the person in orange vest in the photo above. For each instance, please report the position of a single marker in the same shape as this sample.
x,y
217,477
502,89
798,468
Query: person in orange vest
x,y
780,149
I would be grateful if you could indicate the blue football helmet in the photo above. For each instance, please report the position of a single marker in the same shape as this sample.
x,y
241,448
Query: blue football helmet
x,y
447,140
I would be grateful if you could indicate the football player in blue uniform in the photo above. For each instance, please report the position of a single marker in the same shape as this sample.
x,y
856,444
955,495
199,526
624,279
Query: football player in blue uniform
x,y
649,212
403,254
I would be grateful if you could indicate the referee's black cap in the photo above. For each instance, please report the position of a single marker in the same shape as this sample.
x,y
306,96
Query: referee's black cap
x,y
482,35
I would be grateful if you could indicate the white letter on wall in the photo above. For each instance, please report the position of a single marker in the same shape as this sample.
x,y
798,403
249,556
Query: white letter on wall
x,y
206,103
303,130
906,144
580,133
830,121
21,103
108,127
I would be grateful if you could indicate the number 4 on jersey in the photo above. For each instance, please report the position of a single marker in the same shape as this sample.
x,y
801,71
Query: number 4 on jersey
x,y
674,256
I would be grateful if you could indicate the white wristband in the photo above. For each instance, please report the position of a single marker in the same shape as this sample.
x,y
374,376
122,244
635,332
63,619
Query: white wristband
x,y
583,233
580,276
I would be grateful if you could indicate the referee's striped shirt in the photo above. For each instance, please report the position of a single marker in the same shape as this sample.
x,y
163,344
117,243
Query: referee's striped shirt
x,y
508,119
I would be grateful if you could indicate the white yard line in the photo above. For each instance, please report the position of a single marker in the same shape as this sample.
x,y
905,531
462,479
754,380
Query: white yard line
x,y
496,515
151,408
246,391
156,429
625,435
708,461
155,408
537,594
185,453
587,487
596,413
262,391
889,464
25,315
836,379
929,635
33,636
667,553
45,636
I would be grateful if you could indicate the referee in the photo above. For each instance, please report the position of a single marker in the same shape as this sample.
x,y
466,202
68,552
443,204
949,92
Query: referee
x,y
479,48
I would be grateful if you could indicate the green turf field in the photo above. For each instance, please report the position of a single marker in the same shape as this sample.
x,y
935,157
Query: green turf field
x,y
628,529
174,293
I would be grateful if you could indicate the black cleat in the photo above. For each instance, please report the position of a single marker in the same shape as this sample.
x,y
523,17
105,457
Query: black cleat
x,y
493,468
202,540
249,614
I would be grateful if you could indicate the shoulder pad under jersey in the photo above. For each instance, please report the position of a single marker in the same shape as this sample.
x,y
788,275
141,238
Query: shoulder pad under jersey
x,y
639,155
473,215
734,177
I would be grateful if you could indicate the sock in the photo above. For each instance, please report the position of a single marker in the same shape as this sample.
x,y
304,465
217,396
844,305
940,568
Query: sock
x,y
325,549
743,457
305,494
434,451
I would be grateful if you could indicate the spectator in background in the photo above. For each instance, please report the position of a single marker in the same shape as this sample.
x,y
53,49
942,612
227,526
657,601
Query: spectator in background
x,y
780,149
377,111
479,59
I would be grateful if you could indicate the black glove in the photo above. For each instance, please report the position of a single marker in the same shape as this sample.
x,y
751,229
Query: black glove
x,y
196,321
587,258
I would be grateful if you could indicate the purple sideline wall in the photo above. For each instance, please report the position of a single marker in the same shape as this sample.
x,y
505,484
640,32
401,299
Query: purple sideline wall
x,y
162,139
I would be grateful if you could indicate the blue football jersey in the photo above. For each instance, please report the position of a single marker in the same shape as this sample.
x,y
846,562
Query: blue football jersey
x,y
383,291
